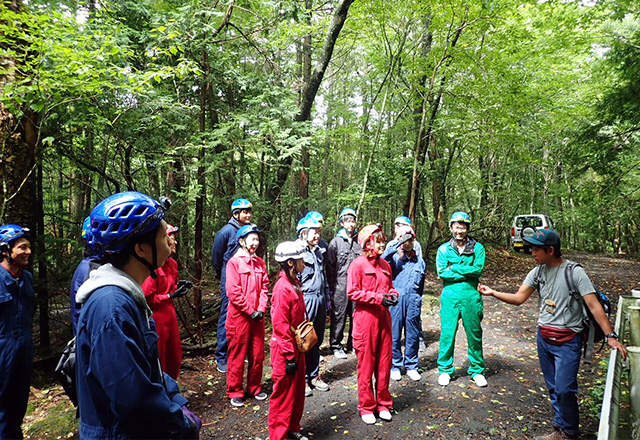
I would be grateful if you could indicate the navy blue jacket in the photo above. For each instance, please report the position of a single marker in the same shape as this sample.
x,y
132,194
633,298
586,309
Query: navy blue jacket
x,y
122,392
16,350
79,277
408,273
224,247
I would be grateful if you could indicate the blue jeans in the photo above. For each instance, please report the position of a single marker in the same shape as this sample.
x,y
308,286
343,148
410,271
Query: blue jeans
x,y
221,335
316,307
406,315
560,365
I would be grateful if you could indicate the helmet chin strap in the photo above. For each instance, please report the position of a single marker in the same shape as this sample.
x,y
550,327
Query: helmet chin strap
x,y
151,266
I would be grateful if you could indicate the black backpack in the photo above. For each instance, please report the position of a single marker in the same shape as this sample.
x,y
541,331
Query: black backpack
x,y
66,371
592,330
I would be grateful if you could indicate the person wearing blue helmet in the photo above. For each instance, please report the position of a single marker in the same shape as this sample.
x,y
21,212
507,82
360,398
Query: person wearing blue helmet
x,y
122,391
248,290
343,249
316,216
399,229
16,343
90,262
224,247
459,263
316,296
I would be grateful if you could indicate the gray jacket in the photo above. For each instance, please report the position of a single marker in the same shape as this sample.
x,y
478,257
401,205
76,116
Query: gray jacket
x,y
340,254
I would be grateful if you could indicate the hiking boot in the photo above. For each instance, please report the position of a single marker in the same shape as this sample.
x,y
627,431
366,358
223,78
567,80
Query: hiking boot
x,y
444,379
237,401
308,392
396,375
385,415
414,375
369,419
221,367
480,380
339,354
296,436
319,384
558,434
261,396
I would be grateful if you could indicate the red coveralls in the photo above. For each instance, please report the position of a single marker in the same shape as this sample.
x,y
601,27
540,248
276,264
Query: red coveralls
x,y
157,291
368,279
287,401
247,286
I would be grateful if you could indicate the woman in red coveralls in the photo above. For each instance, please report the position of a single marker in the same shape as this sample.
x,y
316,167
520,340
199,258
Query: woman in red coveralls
x,y
370,287
288,364
158,293
247,287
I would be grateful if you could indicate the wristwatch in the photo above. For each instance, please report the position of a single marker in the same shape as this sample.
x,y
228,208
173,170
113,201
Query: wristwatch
x,y
613,335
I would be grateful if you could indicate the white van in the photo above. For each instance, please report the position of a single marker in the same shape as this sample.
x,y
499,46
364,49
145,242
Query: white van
x,y
531,222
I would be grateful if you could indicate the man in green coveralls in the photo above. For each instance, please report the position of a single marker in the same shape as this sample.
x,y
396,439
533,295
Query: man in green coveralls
x,y
459,263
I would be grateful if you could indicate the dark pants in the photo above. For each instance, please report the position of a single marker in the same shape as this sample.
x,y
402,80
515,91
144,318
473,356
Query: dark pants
x,y
16,362
221,346
317,311
342,309
560,365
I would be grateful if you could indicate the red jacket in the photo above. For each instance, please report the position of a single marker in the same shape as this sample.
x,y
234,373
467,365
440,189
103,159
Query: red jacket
x,y
368,280
287,310
156,291
247,284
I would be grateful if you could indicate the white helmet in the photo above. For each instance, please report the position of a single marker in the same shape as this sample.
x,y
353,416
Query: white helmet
x,y
289,249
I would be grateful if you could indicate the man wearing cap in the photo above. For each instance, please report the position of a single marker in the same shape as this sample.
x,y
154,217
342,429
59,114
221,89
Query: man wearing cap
x,y
559,336
343,249
407,272
224,247
316,296
459,263
16,344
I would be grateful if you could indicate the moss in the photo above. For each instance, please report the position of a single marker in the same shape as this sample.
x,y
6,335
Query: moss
x,y
60,422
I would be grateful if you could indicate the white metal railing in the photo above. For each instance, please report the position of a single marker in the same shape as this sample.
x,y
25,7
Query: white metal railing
x,y
627,318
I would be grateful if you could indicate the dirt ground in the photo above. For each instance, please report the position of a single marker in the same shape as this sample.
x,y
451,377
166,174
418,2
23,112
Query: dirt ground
x,y
514,405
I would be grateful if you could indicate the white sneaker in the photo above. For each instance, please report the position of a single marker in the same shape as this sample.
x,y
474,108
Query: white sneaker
x,y
369,419
396,375
385,415
339,353
444,379
414,375
480,380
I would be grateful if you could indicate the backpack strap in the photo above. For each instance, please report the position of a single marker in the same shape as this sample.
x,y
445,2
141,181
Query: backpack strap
x,y
536,277
575,296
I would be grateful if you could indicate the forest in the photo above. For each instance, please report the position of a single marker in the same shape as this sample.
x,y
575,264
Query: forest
x,y
412,107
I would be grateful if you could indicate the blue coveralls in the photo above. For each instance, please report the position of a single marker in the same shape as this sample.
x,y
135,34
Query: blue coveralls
x,y
16,350
79,277
316,296
122,392
408,279
224,247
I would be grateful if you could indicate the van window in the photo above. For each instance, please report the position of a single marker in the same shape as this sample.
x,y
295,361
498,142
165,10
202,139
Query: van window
x,y
529,220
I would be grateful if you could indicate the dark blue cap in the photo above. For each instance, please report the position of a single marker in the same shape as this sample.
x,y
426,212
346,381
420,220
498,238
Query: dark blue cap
x,y
544,237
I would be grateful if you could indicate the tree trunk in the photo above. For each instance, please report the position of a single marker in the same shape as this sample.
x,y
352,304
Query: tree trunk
x,y
274,189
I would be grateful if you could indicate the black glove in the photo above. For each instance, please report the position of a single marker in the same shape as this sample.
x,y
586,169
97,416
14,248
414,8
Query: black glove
x,y
291,366
182,289
389,299
257,315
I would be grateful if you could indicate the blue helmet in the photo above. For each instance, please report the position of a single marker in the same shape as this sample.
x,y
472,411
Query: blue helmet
x,y
403,220
87,235
460,216
345,212
240,204
246,230
315,215
9,233
124,216
307,222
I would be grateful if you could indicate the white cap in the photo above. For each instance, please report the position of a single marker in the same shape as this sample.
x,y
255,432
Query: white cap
x,y
289,249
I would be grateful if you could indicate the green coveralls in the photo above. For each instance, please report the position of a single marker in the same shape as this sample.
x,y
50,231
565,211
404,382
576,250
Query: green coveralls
x,y
460,299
